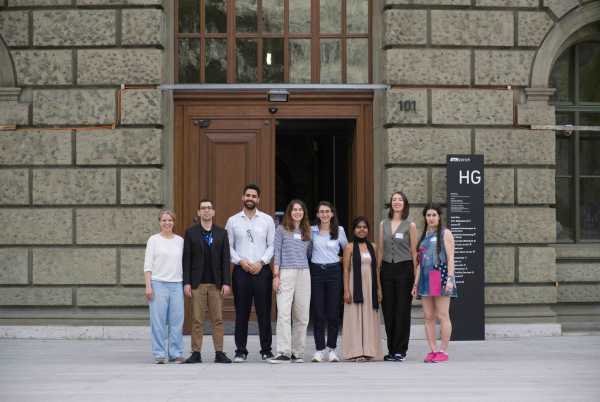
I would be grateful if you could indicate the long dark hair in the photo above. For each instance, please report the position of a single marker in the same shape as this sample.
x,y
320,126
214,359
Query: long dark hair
x,y
288,222
405,209
333,224
438,209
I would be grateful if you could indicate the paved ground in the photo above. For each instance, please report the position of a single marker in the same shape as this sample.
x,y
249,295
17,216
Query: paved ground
x,y
528,369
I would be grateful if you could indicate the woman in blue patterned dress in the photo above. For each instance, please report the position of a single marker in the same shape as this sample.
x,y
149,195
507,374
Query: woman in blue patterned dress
x,y
434,282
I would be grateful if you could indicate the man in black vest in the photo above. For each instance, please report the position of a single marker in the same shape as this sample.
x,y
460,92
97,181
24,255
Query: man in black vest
x,y
206,279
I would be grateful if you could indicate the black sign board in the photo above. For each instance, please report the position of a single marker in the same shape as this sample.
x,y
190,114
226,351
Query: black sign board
x,y
466,220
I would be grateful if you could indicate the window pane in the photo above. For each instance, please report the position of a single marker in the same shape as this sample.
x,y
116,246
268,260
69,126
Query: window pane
x,y
216,15
246,60
216,60
245,16
357,16
589,154
273,60
189,16
357,71
299,50
561,77
589,72
564,222
189,60
331,62
564,154
330,16
299,16
272,11
590,208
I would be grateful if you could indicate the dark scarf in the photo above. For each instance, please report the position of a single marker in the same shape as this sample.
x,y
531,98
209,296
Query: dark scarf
x,y
356,271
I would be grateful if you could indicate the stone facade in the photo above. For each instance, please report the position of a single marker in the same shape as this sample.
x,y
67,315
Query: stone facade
x,y
87,168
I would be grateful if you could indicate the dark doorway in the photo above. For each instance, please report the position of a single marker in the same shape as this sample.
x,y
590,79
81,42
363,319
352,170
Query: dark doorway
x,y
313,163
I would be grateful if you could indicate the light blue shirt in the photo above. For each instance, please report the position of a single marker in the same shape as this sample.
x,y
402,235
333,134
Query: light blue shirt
x,y
325,250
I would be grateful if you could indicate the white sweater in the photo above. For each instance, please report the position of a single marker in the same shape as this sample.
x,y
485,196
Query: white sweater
x,y
163,258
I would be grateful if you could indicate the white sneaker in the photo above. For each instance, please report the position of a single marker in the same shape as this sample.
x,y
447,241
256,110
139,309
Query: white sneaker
x,y
318,356
333,357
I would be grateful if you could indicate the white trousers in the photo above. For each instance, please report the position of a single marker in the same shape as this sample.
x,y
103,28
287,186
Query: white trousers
x,y
293,311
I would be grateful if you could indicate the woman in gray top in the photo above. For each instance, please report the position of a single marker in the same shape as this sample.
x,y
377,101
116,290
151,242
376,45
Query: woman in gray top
x,y
398,235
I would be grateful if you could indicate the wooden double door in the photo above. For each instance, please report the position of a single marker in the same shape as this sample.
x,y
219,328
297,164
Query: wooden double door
x,y
223,141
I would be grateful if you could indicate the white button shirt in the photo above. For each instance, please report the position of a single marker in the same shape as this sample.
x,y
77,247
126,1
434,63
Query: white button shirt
x,y
251,239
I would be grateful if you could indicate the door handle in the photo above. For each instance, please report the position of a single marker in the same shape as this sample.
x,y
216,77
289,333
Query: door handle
x,y
202,123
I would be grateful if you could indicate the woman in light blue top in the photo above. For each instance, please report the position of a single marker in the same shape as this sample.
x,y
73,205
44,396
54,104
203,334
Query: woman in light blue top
x,y
327,238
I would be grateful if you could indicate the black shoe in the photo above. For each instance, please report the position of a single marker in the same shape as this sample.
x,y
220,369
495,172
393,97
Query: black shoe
x,y
297,359
389,357
280,359
266,355
221,357
194,358
240,357
399,357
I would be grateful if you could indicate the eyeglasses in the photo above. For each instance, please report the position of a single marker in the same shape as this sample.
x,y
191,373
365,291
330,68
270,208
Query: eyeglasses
x,y
205,208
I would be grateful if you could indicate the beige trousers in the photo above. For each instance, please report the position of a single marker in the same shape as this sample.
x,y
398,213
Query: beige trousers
x,y
293,311
207,295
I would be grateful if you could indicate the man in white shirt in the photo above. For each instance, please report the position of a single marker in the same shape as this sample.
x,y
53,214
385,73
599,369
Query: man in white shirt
x,y
251,234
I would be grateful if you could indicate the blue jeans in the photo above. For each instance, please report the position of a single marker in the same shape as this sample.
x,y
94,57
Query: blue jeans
x,y
166,319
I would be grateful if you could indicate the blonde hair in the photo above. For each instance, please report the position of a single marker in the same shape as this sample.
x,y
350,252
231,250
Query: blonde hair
x,y
167,212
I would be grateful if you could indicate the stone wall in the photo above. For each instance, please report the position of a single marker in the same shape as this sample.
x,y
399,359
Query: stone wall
x,y
81,176
466,65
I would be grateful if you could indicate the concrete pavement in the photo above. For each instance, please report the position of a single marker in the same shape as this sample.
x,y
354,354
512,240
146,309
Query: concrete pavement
x,y
563,368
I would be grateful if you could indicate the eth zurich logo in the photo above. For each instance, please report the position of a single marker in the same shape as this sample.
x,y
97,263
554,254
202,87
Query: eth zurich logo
x,y
455,159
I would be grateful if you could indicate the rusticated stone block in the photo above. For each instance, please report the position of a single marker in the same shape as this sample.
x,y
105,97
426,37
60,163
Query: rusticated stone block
x,y
43,67
472,28
536,113
14,264
520,225
35,147
505,146
430,2
74,106
503,67
579,293
36,226
35,3
499,264
120,2
561,7
118,66
122,146
85,266
132,266
14,186
428,66
405,27
142,27
472,106
520,295
537,264
411,181
111,297
578,272
499,186
74,186
507,3
426,144
399,108
141,186
74,27
579,250
533,26
141,106
116,226
536,186
21,296
14,28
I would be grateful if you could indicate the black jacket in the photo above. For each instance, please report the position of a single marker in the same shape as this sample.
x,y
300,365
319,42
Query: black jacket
x,y
193,256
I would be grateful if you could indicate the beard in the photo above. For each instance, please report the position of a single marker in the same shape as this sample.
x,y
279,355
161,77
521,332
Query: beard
x,y
250,204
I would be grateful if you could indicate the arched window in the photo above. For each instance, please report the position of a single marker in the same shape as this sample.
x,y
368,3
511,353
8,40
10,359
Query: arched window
x,y
576,77
273,41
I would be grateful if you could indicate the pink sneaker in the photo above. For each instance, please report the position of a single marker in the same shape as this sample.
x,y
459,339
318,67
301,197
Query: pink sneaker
x,y
429,358
440,357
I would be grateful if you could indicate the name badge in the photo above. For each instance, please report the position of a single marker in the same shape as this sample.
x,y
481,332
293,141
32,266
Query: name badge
x,y
434,239
399,236
366,255
332,243
297,236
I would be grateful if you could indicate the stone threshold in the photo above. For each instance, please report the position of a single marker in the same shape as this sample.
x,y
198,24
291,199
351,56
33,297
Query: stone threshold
x,y
107,332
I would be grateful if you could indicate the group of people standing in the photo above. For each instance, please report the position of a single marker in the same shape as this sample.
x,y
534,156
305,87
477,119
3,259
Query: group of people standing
x,y
307,274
